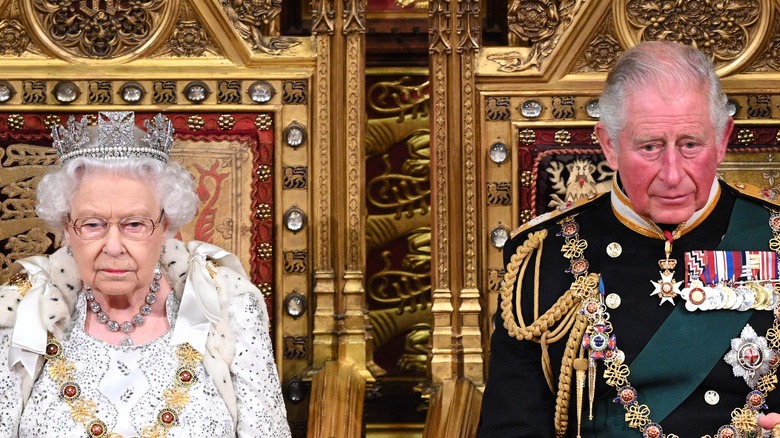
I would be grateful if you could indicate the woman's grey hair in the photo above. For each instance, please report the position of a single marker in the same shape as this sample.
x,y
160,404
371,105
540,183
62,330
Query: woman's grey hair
x,y
172,184
657,64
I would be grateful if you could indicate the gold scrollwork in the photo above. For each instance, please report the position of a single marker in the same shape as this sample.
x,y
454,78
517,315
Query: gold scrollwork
x,y
406,193
391,98
410,287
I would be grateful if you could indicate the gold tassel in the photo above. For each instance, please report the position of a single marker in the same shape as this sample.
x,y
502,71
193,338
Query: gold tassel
x,y
591,386
580,364
776,431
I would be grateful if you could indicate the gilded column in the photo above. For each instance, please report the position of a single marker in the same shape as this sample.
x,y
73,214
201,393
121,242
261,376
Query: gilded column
x,y
324,325
440,48
468,21
353,326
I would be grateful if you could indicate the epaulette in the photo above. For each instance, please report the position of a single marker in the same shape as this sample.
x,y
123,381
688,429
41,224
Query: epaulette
x,y
767,196
567,208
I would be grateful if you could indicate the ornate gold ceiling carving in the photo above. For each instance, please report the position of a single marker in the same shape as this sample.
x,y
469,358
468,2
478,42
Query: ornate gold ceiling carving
x,y
725,29
88,30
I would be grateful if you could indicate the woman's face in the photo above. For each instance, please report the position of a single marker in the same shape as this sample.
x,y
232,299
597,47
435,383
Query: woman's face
x,y
115,265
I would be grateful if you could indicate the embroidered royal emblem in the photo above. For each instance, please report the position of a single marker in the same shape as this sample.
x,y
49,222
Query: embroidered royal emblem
x,y
750,357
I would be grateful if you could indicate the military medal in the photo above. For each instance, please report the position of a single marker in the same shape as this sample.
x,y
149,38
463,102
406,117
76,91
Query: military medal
x,y
730,280
667,289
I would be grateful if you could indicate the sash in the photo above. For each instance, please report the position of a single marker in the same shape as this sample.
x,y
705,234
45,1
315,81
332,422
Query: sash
x,y
664,384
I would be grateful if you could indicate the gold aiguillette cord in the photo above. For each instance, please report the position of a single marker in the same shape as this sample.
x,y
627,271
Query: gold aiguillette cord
x,y
580,365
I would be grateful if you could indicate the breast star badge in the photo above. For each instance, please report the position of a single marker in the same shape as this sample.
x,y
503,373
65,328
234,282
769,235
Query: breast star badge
x,y
750,356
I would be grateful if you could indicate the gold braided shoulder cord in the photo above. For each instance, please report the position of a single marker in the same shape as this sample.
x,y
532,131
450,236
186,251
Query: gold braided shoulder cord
x,y
564,313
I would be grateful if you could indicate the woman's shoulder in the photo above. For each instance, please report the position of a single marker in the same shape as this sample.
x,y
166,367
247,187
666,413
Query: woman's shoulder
x,y
11,294
54,277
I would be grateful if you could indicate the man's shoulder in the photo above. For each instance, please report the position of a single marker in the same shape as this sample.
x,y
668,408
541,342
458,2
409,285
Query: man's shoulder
x,y
768,197
551,218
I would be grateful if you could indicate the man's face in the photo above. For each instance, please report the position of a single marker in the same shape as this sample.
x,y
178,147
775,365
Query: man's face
x,y
667,153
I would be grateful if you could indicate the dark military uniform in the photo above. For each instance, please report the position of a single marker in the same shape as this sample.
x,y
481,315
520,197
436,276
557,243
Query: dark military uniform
x,y
518,402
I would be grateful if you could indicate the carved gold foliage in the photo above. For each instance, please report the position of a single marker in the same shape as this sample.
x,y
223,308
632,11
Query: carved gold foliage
x,y
13,37
602,52
257,23
536,24
188,37
468,27
720,28
769,60
100,29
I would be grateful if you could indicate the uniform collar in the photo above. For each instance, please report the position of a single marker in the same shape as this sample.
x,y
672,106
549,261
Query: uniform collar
x,y
626,214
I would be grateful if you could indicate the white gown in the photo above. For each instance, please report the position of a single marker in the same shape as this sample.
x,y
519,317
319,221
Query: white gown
x,y
127,384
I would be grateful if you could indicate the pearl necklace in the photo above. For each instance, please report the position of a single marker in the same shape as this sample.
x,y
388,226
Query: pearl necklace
x,y
138,320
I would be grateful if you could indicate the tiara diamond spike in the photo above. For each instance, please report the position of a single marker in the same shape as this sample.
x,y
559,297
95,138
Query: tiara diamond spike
x,y
116,138
71,138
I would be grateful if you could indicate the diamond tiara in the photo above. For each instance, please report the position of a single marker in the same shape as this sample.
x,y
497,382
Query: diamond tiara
x,y
116,138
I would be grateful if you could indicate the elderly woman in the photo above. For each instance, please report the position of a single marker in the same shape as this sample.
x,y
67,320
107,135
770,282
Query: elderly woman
x,y
126,332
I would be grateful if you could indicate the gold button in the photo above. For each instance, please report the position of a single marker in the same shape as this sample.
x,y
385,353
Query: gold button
x,y
614,250
612,301
711,397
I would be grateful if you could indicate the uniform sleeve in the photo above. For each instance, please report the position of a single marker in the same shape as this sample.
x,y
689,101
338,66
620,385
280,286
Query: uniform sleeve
x,y
261,410
517,401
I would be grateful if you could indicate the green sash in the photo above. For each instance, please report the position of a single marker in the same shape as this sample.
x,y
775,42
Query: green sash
x,y
662,376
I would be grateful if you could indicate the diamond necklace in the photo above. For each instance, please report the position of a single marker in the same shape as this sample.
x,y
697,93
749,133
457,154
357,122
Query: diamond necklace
x,y
127,327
